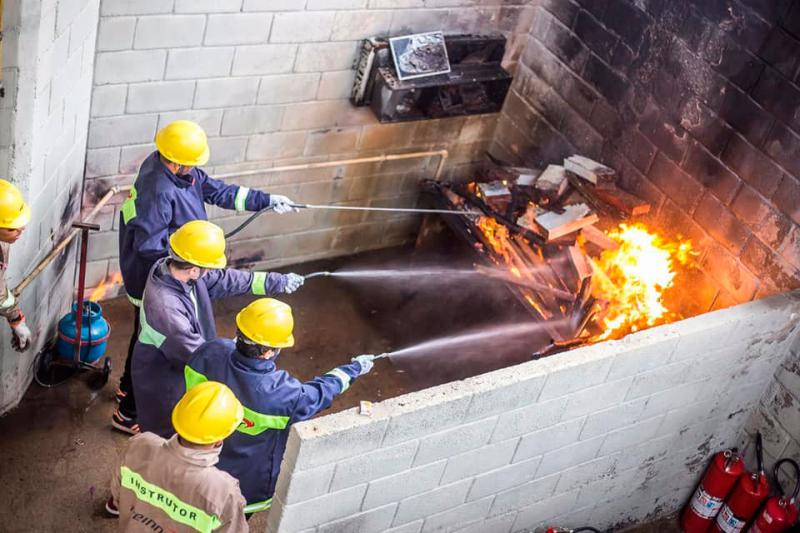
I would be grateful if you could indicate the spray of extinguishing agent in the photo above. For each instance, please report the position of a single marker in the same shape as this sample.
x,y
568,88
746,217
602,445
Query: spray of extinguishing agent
x,y
718,481
780,512
743,503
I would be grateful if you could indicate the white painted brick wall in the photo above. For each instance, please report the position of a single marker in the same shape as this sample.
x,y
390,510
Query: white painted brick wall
x,y
264,59
515,449
776,414
116,33
129,66
243,28
169,31
269,81
161,96
48,59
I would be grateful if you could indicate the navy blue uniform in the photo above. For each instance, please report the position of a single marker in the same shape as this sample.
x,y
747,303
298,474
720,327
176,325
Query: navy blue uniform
x,y
273,401
161,202
176,318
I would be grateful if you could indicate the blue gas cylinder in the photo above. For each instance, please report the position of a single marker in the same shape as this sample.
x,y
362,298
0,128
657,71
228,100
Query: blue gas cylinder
x,y
94,333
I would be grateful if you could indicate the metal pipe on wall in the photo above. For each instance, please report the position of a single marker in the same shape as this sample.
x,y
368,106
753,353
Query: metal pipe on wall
x,y
68,239
442,154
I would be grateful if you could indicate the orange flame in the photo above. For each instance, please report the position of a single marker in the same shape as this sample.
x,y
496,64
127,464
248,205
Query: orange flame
x,y
106,286
633,278
629,282
497,237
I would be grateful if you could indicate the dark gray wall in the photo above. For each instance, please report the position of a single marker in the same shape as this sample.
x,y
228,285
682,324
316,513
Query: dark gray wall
x,y
697,103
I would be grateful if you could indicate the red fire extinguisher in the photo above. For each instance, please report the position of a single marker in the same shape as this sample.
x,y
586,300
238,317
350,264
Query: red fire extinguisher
x,y
717,482
779,513
749,493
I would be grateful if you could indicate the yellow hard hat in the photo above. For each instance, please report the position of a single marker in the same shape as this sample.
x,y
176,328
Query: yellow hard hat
x,y
207,413
14,212
267,322
183,142
200,243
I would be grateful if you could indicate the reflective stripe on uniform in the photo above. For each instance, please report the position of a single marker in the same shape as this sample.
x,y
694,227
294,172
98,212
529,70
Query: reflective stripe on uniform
x,y
254,423
239,203
258,506
343,377
259,285
177,510
148,335
193,297
129,206
192,377
135,301
9,301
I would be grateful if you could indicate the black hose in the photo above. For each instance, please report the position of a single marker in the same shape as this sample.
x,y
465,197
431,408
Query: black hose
x,y
586,528
247,222
776,469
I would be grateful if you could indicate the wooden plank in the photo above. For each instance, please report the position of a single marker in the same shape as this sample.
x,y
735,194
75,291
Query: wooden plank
x,y
624,201
598,238
579,263
553,181
590,170
574,217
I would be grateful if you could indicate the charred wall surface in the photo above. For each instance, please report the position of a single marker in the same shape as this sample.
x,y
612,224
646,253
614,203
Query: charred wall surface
x,y
696,103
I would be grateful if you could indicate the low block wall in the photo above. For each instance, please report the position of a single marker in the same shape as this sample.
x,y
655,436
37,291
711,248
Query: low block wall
x,y
606,435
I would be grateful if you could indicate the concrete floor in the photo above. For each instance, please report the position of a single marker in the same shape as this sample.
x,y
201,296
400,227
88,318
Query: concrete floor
x,y
58,449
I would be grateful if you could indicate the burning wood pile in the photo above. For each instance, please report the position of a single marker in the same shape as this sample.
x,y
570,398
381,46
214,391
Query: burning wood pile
x,y
542,228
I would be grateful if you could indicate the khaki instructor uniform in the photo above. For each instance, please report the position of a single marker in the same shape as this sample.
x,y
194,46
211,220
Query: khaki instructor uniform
x,y
163,486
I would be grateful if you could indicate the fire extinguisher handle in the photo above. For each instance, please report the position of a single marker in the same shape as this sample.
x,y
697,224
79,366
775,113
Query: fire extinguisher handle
x,y
776,471
759,452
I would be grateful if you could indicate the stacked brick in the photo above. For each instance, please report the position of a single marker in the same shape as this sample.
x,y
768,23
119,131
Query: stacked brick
x,y
269,81
607,435
697,103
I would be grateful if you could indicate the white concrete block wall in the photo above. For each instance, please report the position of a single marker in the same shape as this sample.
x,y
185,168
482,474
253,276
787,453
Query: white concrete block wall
x,y
269,80
48,64
777,416
604,435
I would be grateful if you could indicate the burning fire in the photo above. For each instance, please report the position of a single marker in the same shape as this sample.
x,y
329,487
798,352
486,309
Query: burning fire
x,y
628,282
106,286
633,278
497,237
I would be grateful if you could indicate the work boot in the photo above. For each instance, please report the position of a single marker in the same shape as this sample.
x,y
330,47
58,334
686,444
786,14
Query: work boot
x,y
111,508
123,423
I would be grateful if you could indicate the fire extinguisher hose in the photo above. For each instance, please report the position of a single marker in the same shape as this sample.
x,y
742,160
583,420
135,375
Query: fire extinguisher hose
x,y
587,528
776,471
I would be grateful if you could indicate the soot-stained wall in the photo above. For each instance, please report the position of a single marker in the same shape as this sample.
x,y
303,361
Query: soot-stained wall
x,y
696,103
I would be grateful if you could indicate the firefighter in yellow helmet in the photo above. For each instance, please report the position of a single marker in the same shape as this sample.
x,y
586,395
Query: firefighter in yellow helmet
x,y
173,484
171,190
177,316
273,399
14,216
